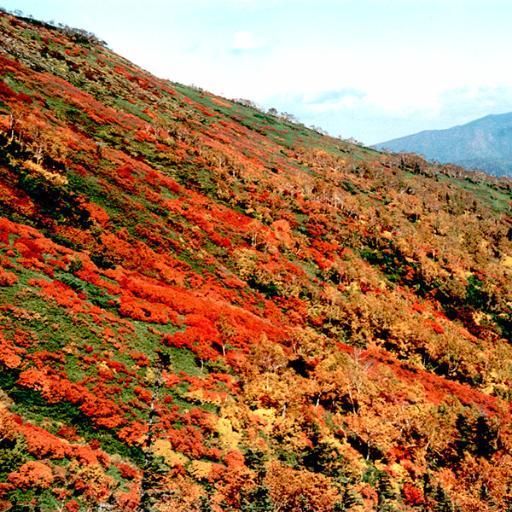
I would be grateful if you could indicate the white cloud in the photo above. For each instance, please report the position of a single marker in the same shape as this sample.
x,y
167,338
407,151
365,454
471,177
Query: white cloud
x,y
245,41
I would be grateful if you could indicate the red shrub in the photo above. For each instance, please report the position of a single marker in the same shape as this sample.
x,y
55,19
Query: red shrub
x,y
412,495
32,474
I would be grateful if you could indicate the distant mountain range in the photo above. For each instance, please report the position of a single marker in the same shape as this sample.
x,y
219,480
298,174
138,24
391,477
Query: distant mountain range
x,y
484,144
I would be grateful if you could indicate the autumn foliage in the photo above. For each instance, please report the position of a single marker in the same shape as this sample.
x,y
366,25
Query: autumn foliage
x,y
204,306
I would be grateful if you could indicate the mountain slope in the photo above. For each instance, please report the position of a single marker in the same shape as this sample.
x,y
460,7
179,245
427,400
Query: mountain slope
x,y
206,307
484,144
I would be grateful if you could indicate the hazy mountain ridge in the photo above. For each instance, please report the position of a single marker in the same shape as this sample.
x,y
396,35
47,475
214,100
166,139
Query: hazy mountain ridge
x,y
484,144
206,307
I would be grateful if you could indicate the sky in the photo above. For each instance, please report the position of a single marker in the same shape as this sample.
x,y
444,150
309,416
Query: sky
x,y
368,69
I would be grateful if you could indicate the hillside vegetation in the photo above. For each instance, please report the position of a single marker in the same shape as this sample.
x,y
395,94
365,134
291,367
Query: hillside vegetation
x,y
204,307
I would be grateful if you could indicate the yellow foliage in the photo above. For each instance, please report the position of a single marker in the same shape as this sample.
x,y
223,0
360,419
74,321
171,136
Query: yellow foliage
x,y
163,448
229,438
264,415
399,474
52,177
506,261
99,484
200,469
150,376
354,463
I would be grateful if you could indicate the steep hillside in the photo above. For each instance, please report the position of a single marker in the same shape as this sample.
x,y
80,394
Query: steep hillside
x,y
207,308
484,144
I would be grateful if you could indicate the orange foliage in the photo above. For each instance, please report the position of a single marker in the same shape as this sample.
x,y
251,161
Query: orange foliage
x,y
293,490
32,474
